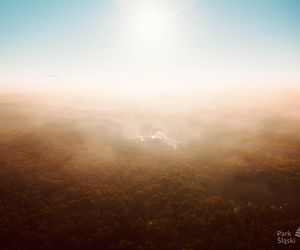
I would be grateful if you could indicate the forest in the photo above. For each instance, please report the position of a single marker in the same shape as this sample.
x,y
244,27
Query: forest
x,y
77,179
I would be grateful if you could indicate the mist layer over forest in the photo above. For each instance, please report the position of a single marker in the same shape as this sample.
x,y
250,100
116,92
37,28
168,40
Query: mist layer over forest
x,y
76,175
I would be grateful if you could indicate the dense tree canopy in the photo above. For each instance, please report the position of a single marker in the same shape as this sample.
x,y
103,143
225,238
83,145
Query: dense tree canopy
x,y
60,190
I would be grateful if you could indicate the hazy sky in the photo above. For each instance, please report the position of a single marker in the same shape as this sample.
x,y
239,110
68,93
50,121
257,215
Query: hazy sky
x,y
145,43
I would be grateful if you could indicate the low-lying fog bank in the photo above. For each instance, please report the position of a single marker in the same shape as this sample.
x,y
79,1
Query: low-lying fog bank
x,y
235,128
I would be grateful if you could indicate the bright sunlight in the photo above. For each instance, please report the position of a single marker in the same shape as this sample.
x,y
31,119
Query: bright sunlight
x,y
150,21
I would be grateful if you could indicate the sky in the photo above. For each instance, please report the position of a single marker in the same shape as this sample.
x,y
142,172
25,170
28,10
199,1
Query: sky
x,y
132,44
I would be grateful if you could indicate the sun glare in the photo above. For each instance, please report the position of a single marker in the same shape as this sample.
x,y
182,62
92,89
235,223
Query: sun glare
x,y
150,22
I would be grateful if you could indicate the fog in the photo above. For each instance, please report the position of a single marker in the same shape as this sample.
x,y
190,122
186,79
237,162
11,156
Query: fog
x,y
94,123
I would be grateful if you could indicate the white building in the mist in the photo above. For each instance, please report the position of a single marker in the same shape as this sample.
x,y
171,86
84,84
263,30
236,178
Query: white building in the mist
x,y
159,136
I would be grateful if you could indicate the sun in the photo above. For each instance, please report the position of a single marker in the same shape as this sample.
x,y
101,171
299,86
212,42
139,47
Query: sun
x,y
150,22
